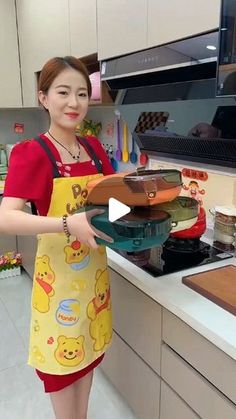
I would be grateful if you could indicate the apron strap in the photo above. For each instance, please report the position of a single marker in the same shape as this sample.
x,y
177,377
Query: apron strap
x,y
50,156
91,152
56,173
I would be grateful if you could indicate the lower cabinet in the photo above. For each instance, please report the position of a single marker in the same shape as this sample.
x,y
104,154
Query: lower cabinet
x,y
211,362
163,368
172,406
137,319
133,378
199,394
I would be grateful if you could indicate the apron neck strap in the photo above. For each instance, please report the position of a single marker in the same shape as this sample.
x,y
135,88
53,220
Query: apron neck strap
x,y
50,155
91,152
82,141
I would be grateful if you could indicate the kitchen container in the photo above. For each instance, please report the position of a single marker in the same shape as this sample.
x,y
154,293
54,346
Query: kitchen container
x,y
224,227
183,211
139,230
140,188
196,231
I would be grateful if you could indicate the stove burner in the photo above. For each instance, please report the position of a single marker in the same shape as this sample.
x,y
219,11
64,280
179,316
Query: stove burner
x,y
180,246
175,255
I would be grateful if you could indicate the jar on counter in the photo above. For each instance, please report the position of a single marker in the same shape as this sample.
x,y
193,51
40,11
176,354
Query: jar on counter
x,y
224,227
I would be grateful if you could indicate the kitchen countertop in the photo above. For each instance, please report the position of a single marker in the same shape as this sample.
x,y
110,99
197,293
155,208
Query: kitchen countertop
x,y
210,320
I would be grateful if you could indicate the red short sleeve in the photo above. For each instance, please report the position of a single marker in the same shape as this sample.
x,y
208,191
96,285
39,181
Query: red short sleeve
x,y
29,174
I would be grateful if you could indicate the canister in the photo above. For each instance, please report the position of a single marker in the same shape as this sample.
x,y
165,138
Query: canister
x,y
224,227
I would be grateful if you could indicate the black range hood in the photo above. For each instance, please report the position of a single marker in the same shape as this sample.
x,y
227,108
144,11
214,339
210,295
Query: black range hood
x,y
186,60
214,151
212,142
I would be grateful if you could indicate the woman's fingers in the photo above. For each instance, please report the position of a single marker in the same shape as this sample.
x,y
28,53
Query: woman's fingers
x,y
96,232
103,236
92,243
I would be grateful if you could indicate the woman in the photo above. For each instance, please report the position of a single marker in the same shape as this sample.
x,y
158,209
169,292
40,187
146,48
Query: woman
x,y
71,309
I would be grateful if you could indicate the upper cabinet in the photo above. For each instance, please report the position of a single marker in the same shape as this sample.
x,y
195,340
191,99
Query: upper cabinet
x,y
83,27
10,86
52,28
126,26
122,27
43,33
175,19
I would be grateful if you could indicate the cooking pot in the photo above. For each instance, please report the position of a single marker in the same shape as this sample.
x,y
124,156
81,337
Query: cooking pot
x,y
196,231
141,188
183,211
133,232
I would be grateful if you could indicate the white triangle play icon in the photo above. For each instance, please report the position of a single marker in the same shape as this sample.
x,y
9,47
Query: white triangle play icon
x,y
116,209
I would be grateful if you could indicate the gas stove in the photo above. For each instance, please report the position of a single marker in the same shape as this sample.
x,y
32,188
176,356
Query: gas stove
x,y
175,255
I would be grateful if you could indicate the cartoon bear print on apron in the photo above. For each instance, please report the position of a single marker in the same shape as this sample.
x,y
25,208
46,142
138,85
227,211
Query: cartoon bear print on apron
x,y
71,323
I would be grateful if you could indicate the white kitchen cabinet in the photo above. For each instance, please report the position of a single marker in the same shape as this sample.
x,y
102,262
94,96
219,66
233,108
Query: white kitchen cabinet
x,y
83,27
10,86
43,28
199,394
137,319
122,27
134,379
172,406
205,357
176,19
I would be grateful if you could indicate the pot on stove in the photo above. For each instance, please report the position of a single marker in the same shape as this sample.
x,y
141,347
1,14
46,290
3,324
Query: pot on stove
x,y
196,231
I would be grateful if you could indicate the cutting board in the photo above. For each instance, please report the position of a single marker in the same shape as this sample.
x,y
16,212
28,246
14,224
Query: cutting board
x,y
218,285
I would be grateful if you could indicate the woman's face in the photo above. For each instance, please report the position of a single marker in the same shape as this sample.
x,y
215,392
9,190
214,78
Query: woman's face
x,y
67,99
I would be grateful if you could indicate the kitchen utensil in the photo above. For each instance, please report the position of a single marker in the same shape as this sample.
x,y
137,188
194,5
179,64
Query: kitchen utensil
x,y
143,188
183,211
118,154
135,231
153,180
112,160
143,159
114,164
218,285
133,155
125,152
196,231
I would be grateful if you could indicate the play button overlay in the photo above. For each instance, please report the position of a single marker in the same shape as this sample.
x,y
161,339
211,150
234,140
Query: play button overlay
x,y
116,209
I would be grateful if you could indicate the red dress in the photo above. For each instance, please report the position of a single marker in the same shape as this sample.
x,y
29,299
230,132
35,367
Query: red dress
x,y
30,177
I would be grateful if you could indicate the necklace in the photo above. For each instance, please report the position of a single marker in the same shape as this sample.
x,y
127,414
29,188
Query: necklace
x,y
75,157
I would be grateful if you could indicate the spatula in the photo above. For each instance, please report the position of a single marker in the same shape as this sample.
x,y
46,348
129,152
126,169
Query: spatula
x,y
118,154
125,152
133,156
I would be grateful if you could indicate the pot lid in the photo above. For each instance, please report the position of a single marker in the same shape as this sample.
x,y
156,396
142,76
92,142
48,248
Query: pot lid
x,y
226,210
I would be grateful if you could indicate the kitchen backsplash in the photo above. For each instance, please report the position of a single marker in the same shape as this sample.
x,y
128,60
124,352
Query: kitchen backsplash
x,y
208,186
34,120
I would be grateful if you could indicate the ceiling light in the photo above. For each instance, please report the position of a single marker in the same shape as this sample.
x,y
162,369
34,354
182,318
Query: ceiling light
x,y
211,47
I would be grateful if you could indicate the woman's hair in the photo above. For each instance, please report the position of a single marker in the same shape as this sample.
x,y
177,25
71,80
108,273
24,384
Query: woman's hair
x,y
55,66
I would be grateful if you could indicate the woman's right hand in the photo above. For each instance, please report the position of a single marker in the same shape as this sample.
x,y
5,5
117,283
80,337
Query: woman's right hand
x,y
79,225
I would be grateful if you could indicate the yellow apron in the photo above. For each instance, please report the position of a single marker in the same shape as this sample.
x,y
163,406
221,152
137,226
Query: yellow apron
x,y
71,324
